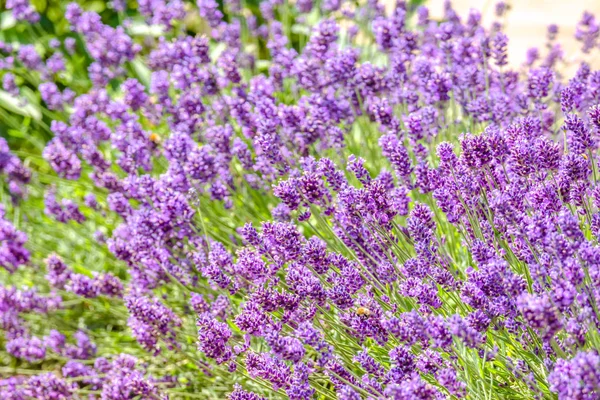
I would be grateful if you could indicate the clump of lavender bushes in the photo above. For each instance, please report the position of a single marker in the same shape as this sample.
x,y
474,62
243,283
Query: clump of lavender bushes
x,y
295,199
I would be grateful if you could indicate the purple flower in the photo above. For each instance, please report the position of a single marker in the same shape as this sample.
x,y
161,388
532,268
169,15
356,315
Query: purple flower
x,y
55,64
49,386
369,364
299,384
420,223
9,84
23,11
346,392
55,341
252,319
13,253
587,31
540,314
458,327
212,338
209,10
109,285
125,380
287,348
30,57
499,50
500,8
64,211
322,38
58,273
250,265
287,191
151,321
476,151
109,47
70,45
577,378
64,161
393,149
161,11
264,366
240,394
538,84
135,96
52,96
412,388
227,132
449,379
83,350
198,303
31,349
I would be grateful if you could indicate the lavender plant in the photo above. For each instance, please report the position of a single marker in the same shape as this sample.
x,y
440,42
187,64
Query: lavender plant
x,y
302,200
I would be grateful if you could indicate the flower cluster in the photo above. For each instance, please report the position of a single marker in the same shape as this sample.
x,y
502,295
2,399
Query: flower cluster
x,y
314,199
12,250
14,173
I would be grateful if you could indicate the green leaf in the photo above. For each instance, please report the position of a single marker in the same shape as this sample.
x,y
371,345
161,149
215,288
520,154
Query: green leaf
x,y
139,28
301,29
39,5
7,20
263,64
142,71
14,105
16,133
216,51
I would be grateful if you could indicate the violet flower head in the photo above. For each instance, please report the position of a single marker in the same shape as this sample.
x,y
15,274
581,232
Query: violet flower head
x,y
58,273
135,95
63,160
588,31
268,184
552,32
9,84
199,305
55,341
212,338
23,11
540,313
125,379
151,321
499,50
49,386
30,58
108,285
500,8
241,394
264,366
13,253
209,10
322,38
412,388
31,349
577,378
52,96
420,223
84,348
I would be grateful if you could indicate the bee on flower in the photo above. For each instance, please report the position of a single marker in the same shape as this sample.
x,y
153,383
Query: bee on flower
x,y
155,138
363,312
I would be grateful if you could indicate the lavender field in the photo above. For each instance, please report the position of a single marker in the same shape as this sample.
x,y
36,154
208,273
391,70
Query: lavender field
x,y
296,199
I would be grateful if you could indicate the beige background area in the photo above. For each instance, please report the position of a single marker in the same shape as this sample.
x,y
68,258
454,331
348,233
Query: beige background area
x,y
527,20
